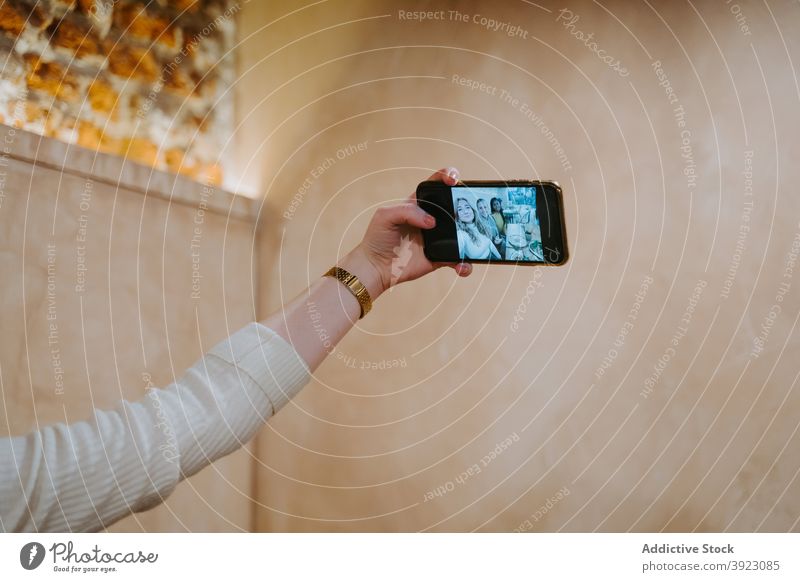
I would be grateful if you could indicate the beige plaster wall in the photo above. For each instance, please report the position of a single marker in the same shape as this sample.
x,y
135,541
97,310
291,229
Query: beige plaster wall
x,y
76,339
711,446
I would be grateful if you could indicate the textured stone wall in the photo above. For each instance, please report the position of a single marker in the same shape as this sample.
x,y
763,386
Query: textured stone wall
x,y
136,79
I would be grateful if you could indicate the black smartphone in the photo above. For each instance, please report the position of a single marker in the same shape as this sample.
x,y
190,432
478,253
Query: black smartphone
x,y
518,222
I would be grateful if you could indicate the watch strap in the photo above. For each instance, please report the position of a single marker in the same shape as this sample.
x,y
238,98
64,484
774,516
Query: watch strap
x,y
355,286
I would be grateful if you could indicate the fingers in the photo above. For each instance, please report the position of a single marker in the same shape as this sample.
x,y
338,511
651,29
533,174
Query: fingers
x,y
448,175
408,213
461,269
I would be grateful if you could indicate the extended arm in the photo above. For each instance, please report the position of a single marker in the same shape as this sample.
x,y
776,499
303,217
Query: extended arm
x,y
87,475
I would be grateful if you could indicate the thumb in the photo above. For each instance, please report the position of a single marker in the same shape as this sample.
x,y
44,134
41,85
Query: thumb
x,y
408,213
461,269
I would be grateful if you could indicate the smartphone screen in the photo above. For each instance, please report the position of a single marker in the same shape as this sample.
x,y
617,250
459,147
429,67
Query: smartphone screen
x,y
519,222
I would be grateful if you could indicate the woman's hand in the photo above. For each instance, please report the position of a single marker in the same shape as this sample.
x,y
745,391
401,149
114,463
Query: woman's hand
x,y
391,251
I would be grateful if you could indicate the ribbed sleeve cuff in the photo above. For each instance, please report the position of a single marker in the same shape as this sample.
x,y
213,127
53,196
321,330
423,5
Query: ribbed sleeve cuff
x,y
272,363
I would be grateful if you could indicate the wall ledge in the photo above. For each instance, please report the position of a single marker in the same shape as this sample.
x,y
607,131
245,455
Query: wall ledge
x,y
124,174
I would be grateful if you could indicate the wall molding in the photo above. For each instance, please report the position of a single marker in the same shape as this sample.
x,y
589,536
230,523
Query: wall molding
x,y
121,173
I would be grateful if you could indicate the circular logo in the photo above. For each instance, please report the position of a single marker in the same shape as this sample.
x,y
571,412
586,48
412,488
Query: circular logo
x,y
31,555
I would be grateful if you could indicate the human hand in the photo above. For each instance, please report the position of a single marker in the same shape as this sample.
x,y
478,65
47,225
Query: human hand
x,y
391,251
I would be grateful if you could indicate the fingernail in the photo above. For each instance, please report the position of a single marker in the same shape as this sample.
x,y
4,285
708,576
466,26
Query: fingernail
x,y
430,220
453,174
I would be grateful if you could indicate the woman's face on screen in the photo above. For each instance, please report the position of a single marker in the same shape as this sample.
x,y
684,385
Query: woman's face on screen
x,y
483,208
464,211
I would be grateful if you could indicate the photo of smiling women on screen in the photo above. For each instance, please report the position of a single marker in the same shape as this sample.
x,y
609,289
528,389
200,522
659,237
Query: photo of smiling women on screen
x,y
472,243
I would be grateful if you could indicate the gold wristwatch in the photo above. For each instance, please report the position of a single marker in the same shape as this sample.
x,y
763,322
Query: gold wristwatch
x,y
355,286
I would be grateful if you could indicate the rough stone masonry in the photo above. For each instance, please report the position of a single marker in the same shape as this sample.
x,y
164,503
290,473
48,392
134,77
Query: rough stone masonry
x,y
131,78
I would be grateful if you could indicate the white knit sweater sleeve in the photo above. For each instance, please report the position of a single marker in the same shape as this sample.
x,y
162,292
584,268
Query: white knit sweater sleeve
x,y
87,475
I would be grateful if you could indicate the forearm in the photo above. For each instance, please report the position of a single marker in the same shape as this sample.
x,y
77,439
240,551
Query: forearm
x,y
87,475
317,319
